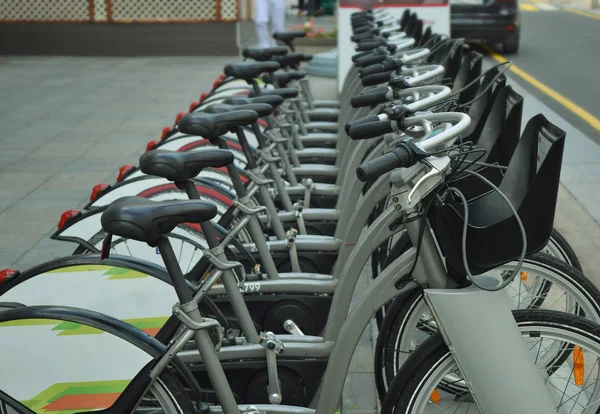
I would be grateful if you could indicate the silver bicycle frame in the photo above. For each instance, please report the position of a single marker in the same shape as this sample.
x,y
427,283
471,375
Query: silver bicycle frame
x,y
459,318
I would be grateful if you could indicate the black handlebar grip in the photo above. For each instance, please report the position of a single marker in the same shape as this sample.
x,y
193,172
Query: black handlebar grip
x,y
368,45
384,66
377,79
370,59
360,25
370,130
362,36
370,98
360,55
357,30
365,120
372,170
366,17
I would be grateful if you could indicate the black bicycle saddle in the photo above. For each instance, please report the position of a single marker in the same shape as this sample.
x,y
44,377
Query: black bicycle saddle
x,y
273,100
249,71
181,166
212,126
260,108
147,221
263,54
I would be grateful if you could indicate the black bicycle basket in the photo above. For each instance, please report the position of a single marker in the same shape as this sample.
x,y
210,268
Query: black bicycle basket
x,y
499,138
530,183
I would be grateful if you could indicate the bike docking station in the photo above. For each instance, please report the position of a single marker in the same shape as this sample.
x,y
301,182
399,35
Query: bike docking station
x,y
221,274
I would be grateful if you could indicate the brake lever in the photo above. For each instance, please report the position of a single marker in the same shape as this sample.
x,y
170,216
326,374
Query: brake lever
x,y
397,111
438,166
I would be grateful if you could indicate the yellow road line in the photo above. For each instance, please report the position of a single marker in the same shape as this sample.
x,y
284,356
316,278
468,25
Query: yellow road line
x,y
567,103
583,13
528,7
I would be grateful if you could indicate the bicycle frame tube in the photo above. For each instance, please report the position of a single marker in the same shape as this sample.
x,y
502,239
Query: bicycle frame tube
x,y
429,271
348,279
347,180
352,230
381,291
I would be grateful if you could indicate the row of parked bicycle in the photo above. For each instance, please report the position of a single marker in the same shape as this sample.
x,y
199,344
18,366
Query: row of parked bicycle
x,y
219,274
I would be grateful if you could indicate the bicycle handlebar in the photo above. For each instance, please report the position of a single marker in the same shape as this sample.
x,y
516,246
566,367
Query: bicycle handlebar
x,y
370,98
459,120
384,66
370,59
371,130
370,45
401,157
365,120
376,79
408,153
367,34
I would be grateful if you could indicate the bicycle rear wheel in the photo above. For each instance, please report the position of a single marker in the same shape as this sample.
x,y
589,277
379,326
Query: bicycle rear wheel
x,y
566,348
165,396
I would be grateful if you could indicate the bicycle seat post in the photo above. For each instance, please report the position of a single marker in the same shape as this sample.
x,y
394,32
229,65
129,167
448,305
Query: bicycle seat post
x,y
254,227
264,193
202,338
256,88
273,168
207,229
179,283
246,148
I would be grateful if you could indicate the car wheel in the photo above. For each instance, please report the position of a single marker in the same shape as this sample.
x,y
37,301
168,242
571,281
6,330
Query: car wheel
x,y
510,47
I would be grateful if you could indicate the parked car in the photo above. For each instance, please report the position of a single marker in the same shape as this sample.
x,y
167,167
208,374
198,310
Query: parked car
x,y
490,21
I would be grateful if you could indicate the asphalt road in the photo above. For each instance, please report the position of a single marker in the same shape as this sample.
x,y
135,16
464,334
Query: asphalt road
x,y
561,49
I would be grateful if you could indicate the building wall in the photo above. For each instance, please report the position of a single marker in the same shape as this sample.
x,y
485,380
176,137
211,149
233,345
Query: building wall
x,y
121,27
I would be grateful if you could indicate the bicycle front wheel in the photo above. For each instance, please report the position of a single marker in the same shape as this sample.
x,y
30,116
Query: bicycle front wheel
x,y
544,282
566,349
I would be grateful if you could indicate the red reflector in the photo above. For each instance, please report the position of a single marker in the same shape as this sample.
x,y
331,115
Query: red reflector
x,y
193,106
66,216
7,274
166,131
203,97
262,122
124,171
178,117
151,145
97,190
510,27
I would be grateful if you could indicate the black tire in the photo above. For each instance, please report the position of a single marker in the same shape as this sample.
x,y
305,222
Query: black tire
x,y
434,351
387,327
511,47
172,393
385,254
567,251
398,313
